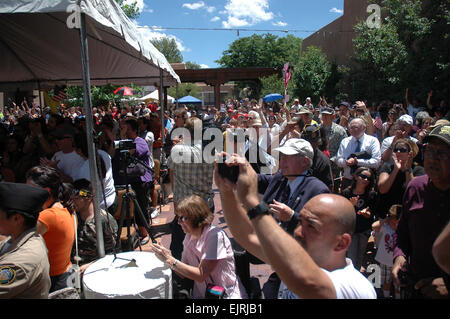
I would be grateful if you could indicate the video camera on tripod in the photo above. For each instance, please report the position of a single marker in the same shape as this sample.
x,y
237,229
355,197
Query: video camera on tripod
x,y
129,165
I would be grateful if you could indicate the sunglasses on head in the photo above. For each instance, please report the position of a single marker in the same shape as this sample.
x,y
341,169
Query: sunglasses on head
x,y
81,193
401,150
182,218
364,177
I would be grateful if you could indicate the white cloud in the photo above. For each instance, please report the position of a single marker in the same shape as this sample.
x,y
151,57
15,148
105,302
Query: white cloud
x,y
216,18
194,6
279,24
204,66
246,12
336,10
235,22
199,5
154,32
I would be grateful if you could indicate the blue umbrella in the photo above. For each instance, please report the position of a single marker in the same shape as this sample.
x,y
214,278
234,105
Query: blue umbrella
x,y
272,97
188,100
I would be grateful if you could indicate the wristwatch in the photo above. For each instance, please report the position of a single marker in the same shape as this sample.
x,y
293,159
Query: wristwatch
x,y
260,209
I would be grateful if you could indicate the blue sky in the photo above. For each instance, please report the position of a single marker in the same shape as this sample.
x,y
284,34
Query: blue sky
x,y
204,47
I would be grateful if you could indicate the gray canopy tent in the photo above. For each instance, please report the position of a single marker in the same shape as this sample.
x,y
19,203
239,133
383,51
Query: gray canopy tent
x,y
48,42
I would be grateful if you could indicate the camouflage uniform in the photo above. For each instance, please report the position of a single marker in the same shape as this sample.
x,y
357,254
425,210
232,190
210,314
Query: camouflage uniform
x,y
87,237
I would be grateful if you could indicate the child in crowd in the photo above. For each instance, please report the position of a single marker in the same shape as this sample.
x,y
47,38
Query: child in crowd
x,y
385,240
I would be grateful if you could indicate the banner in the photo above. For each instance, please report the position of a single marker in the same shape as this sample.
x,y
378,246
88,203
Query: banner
x,y
286,75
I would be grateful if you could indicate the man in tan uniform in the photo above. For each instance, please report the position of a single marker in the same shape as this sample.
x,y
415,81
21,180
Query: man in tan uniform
x,y
24,266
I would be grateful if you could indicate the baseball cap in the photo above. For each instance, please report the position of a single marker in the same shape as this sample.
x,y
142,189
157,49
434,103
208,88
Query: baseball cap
x,y
304,110
441,132
296,146
328,110
346,104
406,119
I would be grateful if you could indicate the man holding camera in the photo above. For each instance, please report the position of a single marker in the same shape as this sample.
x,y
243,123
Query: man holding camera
x,y
359,149
313,263
143,184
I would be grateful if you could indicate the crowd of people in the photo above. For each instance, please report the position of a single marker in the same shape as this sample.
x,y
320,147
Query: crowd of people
x,y
313,186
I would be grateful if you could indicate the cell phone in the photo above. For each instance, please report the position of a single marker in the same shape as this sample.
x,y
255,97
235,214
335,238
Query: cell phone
x,y
229,172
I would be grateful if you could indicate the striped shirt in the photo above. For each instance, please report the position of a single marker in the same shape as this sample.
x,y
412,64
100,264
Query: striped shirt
x,y
191,175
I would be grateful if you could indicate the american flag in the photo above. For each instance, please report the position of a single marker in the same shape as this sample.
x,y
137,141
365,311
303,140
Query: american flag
x,y
59,93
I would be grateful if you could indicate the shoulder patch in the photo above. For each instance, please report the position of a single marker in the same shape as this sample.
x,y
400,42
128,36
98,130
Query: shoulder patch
x,y
7,275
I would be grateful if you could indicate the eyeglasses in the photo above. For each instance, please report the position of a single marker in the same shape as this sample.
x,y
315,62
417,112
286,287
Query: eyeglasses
x,y
401,150
364,177
182,218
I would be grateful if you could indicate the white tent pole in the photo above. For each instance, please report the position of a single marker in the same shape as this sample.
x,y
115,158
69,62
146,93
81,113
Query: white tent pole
x,y
177,94
162,108
89,133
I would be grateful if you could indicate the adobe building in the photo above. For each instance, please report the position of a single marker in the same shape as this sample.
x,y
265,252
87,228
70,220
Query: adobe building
x,y
335,39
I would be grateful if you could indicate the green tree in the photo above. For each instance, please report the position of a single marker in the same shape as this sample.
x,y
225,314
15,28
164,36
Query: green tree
x,y
100,95
311,73
381,57
192,65
130,10
266,50
410,49
168,47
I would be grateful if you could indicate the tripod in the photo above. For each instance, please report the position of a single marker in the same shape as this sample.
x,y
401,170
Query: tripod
x,y
125,210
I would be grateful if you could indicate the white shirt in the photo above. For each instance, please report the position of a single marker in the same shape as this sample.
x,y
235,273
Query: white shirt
x,y
386,245
348,283
369,144
108,182
69,163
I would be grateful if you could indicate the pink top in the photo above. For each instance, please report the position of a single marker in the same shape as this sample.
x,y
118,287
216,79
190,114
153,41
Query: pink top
x,y
214,244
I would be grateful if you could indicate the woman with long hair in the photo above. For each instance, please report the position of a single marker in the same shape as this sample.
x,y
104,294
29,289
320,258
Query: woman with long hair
x,y
363,197
55,223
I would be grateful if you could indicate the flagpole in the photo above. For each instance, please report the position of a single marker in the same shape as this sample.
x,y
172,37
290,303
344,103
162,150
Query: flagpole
x,y
89,133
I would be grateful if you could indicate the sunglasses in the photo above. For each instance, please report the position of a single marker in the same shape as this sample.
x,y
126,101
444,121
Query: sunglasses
x,y
364,177
401,150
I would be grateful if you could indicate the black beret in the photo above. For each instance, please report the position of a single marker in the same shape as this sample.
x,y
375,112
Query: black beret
x,y
22,198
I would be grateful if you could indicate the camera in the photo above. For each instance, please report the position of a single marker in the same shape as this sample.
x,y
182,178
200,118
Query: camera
x,y
124,145
229,172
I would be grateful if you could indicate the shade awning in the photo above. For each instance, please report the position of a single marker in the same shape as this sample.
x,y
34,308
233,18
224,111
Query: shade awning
x,y
189,100
37,46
